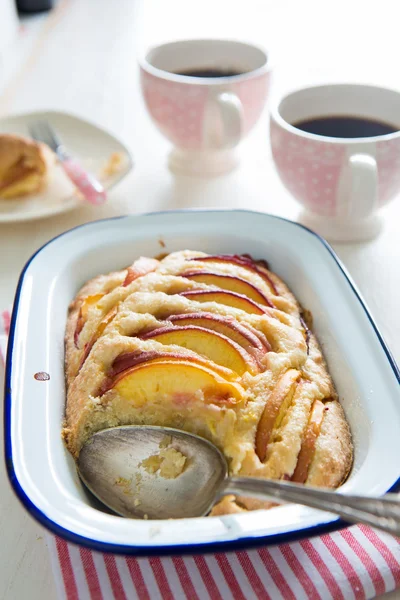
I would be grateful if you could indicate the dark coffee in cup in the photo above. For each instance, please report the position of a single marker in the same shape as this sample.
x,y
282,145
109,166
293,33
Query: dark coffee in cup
x,y
206,72
341,126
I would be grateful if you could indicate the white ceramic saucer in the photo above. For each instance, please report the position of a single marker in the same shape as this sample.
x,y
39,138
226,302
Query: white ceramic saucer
x,y
89,144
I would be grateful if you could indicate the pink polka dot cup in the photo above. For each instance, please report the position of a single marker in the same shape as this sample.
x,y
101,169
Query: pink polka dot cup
x,y
341,182
205,117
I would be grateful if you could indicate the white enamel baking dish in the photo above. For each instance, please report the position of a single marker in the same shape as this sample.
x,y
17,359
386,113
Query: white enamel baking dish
x,y
43,473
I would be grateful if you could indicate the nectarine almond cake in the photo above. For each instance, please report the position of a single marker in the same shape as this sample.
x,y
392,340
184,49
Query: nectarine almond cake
x,y
24,166
215,345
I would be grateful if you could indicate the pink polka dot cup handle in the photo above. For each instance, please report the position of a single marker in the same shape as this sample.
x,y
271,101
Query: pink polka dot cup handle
x,y
341,182
87,184
205,96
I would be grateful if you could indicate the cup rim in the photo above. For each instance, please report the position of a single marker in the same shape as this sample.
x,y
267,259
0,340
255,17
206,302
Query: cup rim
x,y
276,116
145,65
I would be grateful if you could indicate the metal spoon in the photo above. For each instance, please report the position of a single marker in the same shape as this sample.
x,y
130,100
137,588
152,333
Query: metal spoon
x,y
111,465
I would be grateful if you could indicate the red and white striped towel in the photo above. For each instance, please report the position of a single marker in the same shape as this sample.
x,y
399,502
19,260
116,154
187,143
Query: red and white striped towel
x,y
354,563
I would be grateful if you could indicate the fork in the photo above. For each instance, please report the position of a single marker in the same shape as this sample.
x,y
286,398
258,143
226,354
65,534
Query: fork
x,y
86,183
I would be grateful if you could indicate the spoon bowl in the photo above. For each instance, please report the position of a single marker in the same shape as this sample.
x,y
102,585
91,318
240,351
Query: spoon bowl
x,y
119,466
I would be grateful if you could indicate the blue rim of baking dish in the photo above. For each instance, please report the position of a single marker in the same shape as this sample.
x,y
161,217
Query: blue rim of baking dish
x,y
166,550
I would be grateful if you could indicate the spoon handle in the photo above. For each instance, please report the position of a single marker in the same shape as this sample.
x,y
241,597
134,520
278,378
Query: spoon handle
x,y
383,512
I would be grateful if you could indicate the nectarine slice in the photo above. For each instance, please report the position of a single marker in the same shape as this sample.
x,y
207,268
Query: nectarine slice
x,y
244,261
307,449
227,326
127,360
88,302
274,410
83,313
307,333
140,267
180,380
227,298
230,283
215,346
99,331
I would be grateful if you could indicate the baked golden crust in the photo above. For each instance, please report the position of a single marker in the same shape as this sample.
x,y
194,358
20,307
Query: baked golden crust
x,y
174,342
23,166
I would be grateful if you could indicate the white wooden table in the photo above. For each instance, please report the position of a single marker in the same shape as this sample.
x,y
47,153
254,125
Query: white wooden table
x,y
82,58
